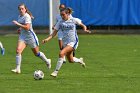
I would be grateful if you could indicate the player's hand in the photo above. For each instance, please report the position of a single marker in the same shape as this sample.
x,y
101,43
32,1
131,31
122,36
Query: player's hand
x,y
88,31
15,22
44,41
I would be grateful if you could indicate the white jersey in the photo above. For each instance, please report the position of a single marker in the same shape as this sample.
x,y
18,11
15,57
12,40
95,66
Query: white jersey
x,y
68,29
28,36
58,18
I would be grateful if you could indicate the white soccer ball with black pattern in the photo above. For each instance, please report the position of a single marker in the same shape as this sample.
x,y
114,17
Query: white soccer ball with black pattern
x,y
38,75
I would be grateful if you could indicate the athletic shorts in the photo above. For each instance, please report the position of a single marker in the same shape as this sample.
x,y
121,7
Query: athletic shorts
x,y
72,44
32,41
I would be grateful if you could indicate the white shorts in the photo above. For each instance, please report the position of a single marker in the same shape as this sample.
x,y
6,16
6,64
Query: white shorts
x,y
72,44
60,35
32,42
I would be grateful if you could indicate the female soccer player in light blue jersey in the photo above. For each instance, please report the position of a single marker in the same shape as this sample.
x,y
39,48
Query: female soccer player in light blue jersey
x,y
70,39
27,37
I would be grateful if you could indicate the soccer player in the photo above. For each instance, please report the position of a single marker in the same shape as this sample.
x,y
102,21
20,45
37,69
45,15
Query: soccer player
x,y
60,34
2,49
27,37
70,39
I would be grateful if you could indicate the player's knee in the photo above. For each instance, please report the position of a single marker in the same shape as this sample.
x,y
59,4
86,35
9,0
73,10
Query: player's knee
x,y
18,51
61,54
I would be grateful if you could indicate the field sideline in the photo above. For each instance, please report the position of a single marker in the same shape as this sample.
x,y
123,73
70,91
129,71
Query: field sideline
x,y
112,66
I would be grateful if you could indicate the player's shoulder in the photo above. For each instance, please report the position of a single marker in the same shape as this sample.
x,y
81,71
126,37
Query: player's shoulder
x,y
75,19
27,15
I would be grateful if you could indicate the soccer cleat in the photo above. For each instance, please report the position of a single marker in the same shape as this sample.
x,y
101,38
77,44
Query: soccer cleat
x,y
16,71
54,74
3,51
49,64
82,63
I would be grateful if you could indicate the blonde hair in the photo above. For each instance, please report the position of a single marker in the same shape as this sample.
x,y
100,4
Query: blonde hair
x,y
27,11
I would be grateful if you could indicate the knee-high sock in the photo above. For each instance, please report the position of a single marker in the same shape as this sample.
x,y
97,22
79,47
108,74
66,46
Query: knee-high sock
x,y
76,60
43,57
18,61
59,64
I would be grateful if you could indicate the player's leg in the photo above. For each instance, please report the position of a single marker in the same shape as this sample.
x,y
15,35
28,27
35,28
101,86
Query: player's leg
x,y
62,53
60,36
72,58
61,47
20,47
42,56
75,59
2,49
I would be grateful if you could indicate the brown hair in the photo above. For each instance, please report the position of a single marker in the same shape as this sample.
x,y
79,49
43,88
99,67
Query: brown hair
x,y
61,6
67,10
27,11
70,11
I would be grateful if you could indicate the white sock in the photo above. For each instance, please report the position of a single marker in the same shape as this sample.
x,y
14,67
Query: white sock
x,y
76,60
1,46
59,64
43,57
18,61
64,58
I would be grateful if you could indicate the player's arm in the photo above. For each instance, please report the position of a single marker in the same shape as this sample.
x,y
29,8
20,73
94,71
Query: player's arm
x,y
23,26
50,37
79,22
84,27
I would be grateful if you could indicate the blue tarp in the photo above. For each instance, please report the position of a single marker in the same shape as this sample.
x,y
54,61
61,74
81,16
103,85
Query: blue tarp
x,y
39,9
91,12
106,12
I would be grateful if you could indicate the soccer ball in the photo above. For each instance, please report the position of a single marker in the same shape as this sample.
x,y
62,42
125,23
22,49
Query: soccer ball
x,y
38,75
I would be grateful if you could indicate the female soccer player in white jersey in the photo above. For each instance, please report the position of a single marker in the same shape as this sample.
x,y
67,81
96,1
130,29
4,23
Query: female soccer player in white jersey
x,y
70,39
27,37
60,34
2,48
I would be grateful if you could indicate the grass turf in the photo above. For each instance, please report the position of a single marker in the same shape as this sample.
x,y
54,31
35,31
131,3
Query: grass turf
x,y
112,66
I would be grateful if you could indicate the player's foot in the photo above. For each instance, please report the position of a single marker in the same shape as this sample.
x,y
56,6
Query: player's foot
x,y
3,51
49,64
54,74
82,63
16,71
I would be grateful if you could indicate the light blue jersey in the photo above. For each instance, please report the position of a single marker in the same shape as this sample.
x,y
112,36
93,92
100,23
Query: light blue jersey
x,y
68,29
28,36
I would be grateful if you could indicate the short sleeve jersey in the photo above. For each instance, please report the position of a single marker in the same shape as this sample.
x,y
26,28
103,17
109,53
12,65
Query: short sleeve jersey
x,y
68,29
24,20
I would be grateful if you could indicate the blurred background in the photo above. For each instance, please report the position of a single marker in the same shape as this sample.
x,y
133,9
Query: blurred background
x,y
100,16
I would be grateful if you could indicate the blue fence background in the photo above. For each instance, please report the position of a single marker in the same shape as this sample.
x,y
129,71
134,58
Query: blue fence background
x,y
91,12
39,9
106,12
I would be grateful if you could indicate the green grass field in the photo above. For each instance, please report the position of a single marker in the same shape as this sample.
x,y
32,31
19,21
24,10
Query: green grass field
x,y
113,66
